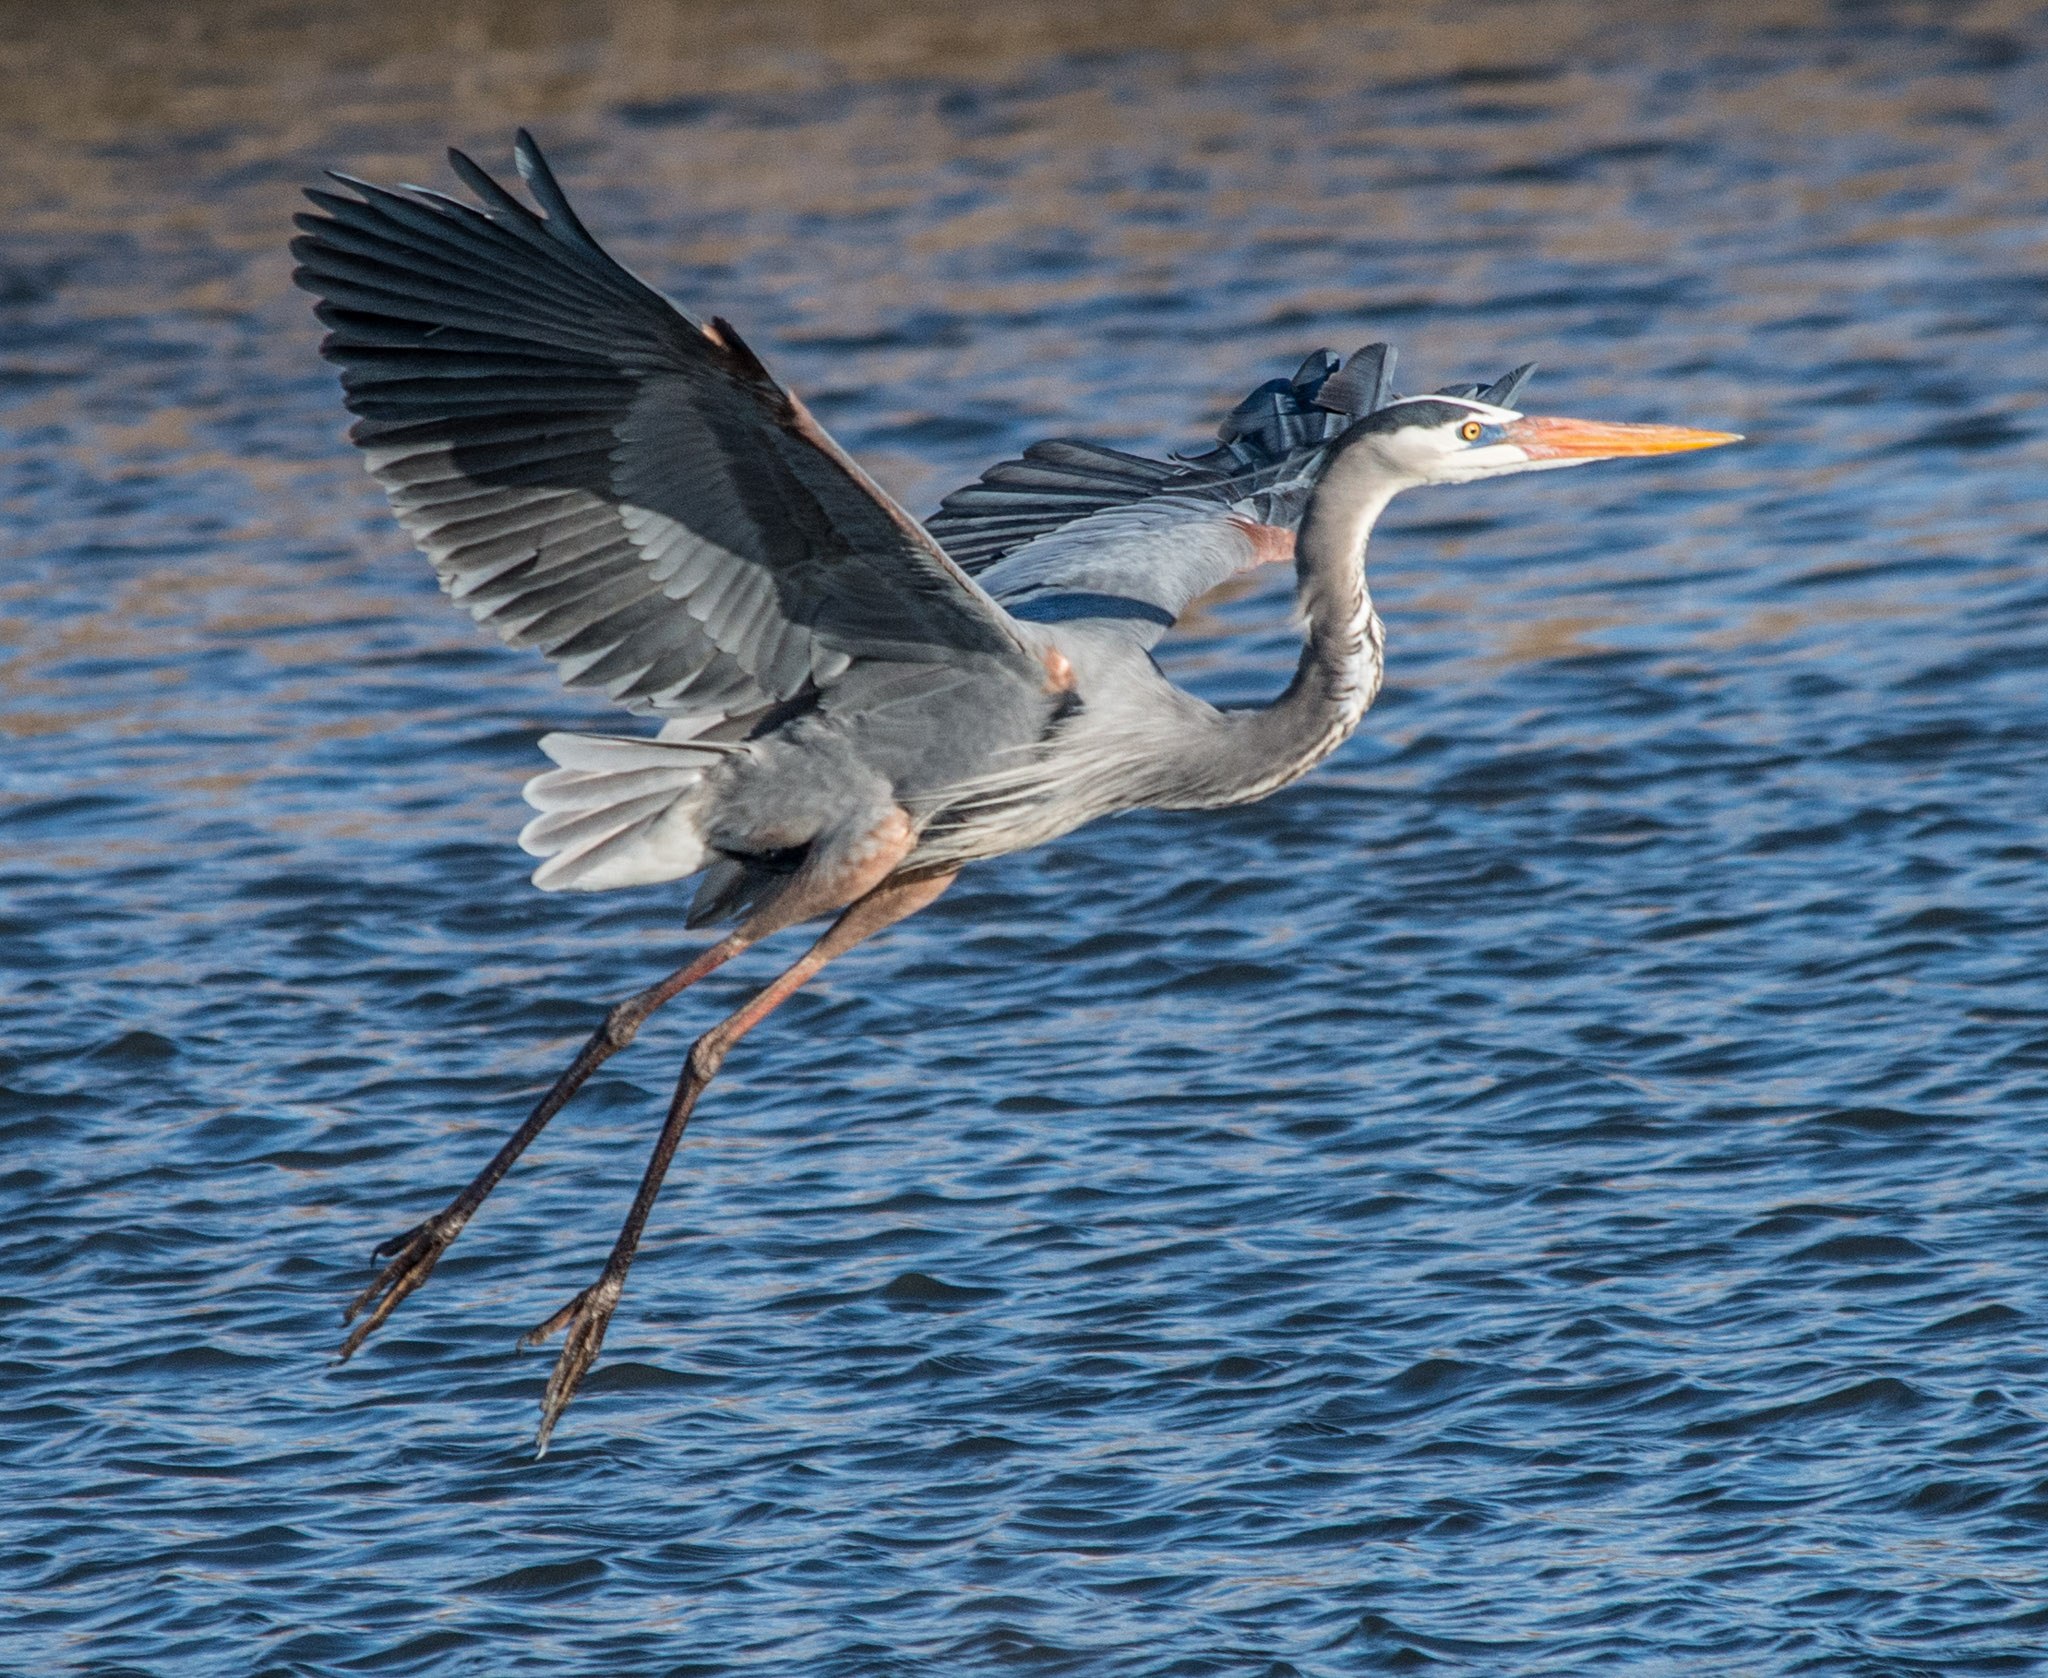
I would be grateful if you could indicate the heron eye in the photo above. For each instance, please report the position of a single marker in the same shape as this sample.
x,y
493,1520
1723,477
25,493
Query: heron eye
x,y
1471,431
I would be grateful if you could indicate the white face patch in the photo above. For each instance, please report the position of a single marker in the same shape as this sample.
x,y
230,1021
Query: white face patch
x,y
1441,454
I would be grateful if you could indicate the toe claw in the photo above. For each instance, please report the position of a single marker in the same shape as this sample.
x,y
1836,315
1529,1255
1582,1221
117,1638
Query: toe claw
x,y
398,1243
585,1317
416,1252
554,1325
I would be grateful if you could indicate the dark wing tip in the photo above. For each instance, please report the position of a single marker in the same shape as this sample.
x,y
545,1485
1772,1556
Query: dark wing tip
x,y
499,203
328,201
1365,383
1255,410
1314,373
1503,391
740,354
547,192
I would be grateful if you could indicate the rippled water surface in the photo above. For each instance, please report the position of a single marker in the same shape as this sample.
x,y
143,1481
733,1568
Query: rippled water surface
x,y
1559,1191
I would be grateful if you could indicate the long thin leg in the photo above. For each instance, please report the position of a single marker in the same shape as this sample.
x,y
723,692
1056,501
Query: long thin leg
x,y
586,1315
420,1248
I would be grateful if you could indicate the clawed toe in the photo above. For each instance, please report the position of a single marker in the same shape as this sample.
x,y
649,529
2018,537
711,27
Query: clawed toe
x,y
417,1251
585,1317
399,1243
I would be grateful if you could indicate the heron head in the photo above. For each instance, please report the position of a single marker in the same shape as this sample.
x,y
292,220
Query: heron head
x,y
1447,439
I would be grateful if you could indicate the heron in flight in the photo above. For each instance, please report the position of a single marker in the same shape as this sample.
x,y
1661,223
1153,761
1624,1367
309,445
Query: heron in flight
x,y
849,713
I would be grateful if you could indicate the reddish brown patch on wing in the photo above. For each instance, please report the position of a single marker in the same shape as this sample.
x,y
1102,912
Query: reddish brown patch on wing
x,y
1059,674
1272,544
803,425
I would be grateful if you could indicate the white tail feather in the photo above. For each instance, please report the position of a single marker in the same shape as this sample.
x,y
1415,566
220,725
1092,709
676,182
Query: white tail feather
x,y
577,789
617,812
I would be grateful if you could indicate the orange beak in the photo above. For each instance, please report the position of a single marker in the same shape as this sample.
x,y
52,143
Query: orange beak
x,y
1571,439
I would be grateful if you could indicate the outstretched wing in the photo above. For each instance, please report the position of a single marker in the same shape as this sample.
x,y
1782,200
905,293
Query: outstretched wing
x,y
1269,438
1076,532
1136,568
1057,482
595,474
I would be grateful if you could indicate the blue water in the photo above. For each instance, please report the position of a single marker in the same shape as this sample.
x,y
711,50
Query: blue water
x,y
1560,1191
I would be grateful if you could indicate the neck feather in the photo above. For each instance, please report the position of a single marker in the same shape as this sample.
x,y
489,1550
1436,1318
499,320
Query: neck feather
x,y
1339,674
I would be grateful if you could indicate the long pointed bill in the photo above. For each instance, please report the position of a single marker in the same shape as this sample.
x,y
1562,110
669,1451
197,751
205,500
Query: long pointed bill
x,y
1543,438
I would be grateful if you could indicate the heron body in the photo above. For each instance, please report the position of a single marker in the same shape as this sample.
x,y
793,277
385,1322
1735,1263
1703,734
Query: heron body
x,y
849,712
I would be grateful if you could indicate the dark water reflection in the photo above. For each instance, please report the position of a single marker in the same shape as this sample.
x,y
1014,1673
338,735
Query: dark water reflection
x,y
1560,1191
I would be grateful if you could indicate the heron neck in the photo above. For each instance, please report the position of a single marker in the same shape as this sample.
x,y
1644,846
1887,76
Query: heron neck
x,y
1339,673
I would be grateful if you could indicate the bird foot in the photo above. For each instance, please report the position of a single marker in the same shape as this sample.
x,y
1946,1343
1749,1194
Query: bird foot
x,y
585,1318
417,1251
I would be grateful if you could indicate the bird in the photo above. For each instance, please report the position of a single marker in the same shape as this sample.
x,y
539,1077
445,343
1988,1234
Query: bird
x,y
849,713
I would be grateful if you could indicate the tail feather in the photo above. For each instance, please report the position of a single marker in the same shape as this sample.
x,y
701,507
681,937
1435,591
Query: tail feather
x,y
618,812
564,831
574,792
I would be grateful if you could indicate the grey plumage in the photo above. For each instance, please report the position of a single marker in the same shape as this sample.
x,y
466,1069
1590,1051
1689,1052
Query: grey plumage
x,y
1055,483
1078,531
848,716
595,474
1265,451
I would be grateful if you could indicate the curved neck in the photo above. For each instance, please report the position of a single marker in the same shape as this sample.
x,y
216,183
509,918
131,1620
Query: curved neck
x,y
1341,665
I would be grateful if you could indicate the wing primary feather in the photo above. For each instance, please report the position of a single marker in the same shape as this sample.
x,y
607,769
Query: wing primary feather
x,y
540,181
506,210
593,472
458,228
1362,385
446,229
1503,391
750,364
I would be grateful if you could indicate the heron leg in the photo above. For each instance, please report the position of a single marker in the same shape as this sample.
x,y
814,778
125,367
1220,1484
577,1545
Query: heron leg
x,y
586,1316
414,1254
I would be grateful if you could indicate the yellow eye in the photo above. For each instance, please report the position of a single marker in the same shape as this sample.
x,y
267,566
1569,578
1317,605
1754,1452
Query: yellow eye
x,y
1471,431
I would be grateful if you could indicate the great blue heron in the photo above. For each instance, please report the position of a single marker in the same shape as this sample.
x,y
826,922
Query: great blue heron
x,y
848,716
